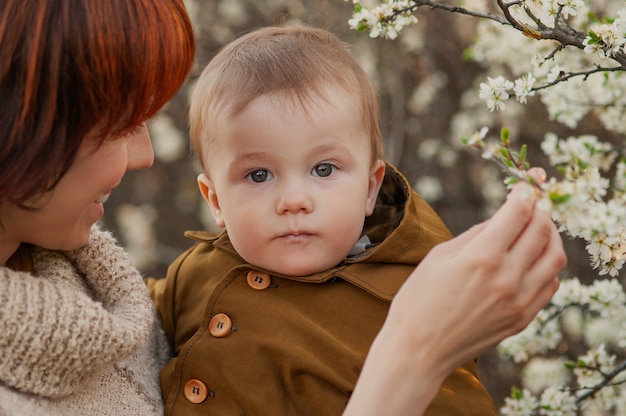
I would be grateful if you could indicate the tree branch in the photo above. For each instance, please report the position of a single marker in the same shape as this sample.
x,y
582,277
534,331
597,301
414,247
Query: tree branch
x,y
585,74
564,34
460,10
605,382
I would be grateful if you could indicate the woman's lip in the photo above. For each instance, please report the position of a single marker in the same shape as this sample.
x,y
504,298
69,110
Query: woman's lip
x,y
103,198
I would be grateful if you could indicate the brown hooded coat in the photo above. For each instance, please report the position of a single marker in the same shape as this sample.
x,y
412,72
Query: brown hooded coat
x,y
297,346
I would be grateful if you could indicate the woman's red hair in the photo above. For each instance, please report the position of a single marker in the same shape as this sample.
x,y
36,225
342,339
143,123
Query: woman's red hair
x,y
69,68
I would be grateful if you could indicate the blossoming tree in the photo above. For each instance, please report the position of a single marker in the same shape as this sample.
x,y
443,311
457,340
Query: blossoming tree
x,y
571,55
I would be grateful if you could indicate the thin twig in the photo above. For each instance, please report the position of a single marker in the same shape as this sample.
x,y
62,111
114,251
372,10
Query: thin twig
x,y
610,376
584,74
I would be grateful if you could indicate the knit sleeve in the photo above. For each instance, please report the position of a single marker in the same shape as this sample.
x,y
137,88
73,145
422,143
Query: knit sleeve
x,y
53,334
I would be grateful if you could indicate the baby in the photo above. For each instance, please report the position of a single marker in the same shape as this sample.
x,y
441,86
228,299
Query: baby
x,y
275,315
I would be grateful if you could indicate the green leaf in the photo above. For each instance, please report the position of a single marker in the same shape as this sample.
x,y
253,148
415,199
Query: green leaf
x,y
594,38
505,136
581,163
558,198
362,27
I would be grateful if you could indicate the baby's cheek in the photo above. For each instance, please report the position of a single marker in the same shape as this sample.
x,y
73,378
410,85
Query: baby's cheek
x,y
248,236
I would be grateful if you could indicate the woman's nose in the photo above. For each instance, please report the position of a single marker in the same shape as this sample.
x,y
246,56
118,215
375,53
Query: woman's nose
x,y
139,149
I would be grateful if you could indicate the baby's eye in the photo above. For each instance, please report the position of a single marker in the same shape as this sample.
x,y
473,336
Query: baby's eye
x,y
259,175
323,170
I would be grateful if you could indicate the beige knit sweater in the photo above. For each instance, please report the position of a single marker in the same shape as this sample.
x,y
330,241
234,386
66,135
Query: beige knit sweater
x,y
81,337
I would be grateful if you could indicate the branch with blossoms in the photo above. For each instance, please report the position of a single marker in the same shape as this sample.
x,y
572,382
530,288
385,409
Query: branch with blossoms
x,y
571,56
577,200
391,16
577,203
584,47
513,163
608,379
594,380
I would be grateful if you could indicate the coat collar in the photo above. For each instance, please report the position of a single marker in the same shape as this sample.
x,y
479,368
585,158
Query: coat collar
x,y
21,260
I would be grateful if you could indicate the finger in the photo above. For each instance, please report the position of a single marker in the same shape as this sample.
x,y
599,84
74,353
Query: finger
x,y
538,174
462,240
537,302
548,264
532,241
509,221
527,304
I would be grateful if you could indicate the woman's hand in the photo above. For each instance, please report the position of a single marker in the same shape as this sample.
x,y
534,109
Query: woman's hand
x,y
464,297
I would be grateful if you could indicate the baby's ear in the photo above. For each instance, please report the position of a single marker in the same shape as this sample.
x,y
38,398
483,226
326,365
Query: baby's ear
x,y
376,180
207,189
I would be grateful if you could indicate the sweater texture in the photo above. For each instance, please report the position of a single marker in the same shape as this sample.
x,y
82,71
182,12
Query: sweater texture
x,y
79,334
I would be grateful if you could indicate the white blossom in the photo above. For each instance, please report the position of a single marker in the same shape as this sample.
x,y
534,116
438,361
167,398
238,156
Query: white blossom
x,y
523,87
571,7
478,137
495,92
541,373
541,335
596,361
385,20
570,292
525,405
606,296
556,402
606,41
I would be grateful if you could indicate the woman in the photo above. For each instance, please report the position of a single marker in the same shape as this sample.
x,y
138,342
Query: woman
x,y
78,335
78,79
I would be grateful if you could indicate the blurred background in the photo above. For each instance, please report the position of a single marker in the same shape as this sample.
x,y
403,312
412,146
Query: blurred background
x,y
428,84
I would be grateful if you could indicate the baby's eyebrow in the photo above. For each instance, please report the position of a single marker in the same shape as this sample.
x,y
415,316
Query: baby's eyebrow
x,y
333,148
243,157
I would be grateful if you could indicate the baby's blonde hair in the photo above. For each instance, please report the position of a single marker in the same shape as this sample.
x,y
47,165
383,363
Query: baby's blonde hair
x,y
297,61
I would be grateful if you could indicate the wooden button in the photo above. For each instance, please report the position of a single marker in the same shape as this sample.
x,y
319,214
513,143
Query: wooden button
x,y
220,325
195,391
258,280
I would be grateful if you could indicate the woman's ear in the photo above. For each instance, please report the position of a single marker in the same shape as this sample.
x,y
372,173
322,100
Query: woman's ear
x,y
376,180
207,189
